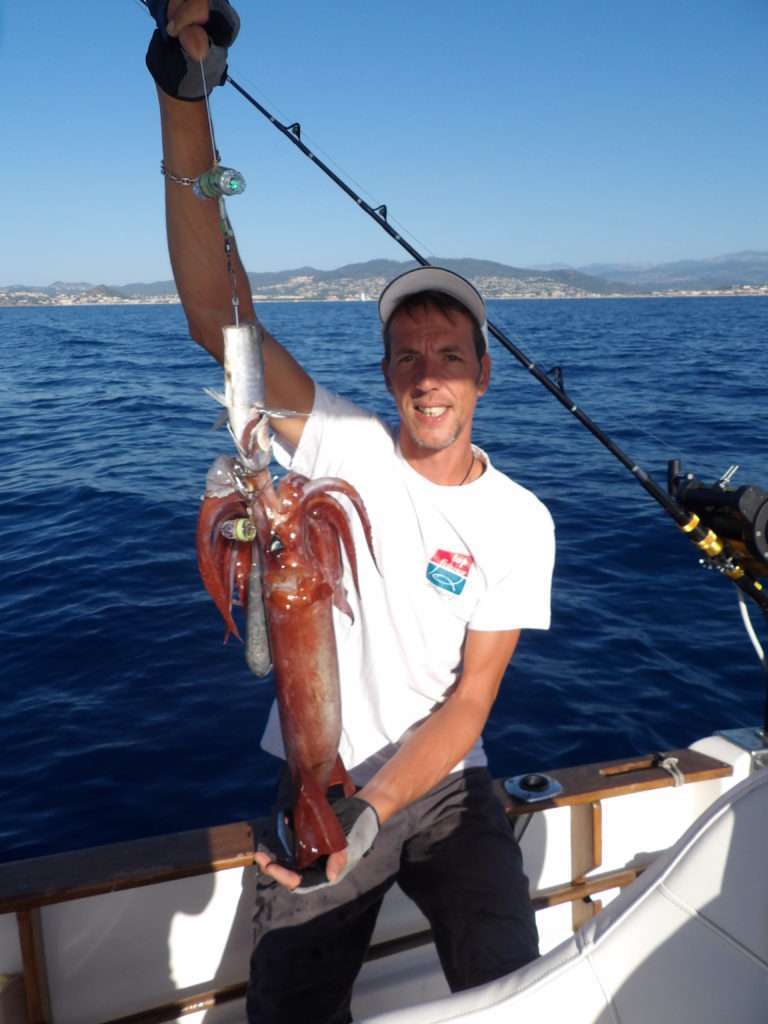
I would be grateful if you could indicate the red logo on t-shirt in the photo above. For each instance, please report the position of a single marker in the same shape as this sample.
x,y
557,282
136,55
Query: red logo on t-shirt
x,y
449,570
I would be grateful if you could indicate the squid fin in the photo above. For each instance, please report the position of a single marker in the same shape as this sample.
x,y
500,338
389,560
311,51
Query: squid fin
x,y
339,777
317,830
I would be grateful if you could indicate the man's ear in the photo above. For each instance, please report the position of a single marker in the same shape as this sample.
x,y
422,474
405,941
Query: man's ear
x,y
385,372
484,377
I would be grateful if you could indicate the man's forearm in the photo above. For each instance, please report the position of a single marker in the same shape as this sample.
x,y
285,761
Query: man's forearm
x,y
196,246
427,756
446,737
195,239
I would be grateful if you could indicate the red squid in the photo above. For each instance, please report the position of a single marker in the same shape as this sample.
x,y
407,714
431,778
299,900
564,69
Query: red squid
x,y
281,552
302,581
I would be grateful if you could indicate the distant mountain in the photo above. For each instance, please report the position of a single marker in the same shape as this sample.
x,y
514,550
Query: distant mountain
x,y
609,270
69,287
143,290
80,291
494,280
350,272
57,288
731,270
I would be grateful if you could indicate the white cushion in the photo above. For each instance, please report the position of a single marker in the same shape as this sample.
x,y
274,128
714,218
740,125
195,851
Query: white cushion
x,y
687,942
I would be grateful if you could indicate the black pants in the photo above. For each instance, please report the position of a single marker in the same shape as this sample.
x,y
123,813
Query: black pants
x,y
453,853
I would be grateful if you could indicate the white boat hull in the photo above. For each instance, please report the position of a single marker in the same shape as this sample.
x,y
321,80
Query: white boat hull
x,y
117,953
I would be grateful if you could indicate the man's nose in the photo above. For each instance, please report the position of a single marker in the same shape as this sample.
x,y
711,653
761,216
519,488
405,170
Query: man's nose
x,y
427,371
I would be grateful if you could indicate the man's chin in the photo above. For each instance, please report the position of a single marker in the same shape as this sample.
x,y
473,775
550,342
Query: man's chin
x,y
427,443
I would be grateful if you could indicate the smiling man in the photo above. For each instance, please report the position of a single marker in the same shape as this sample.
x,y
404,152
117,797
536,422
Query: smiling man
x,y
436,366
464,560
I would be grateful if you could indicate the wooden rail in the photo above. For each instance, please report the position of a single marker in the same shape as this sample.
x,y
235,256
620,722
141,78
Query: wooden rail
x,y
588,783
41,881
33,959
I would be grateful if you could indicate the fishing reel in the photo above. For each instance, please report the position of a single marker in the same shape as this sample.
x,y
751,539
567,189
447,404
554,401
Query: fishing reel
x,y
738,515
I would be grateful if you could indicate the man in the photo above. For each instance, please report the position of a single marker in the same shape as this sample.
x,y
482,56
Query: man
x,y
465,559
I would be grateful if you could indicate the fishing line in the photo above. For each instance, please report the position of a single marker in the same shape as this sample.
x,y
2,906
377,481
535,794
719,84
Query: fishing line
x,y
214,150
217,183
745,617
317,148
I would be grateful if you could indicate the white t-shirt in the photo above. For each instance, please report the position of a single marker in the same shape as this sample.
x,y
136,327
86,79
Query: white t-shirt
x,y
477,556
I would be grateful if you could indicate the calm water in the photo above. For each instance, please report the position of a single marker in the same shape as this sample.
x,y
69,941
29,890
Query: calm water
x,y
122,714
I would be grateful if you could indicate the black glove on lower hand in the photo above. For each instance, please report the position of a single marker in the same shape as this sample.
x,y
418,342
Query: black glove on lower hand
x,y
360,823
176,73
361,826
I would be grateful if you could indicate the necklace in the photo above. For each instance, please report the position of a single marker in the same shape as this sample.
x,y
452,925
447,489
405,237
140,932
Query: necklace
x,y
471,467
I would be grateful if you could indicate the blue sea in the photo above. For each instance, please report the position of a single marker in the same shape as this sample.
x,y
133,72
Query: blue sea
x,y
121,712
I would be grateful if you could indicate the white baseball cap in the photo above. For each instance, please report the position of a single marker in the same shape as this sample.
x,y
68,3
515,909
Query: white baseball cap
x,y
433,279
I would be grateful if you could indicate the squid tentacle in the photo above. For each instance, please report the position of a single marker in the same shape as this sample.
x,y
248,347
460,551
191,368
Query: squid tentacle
x,y
259,519
323,543
216,556
327,484
323,508
255,437
220,479
243,561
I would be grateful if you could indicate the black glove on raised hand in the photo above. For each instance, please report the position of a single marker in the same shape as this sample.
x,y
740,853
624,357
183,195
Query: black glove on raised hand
x,y
176,73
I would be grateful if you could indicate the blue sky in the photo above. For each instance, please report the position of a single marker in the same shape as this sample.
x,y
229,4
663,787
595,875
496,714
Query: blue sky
x,y
529,133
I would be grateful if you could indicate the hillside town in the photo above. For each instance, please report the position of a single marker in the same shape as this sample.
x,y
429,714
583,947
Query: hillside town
x,y
360,283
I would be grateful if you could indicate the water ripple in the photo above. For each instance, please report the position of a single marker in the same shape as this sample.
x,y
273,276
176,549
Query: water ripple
x,y
122,712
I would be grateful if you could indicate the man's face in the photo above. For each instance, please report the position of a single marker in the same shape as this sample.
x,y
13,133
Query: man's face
x,y
435,377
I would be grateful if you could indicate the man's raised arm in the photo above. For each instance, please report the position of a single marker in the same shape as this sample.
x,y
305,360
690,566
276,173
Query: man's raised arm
x,y
195,238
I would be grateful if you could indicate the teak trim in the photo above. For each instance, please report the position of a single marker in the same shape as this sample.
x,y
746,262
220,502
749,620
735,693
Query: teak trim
x,y
42,881
184,1006
589,783
33,967
586,853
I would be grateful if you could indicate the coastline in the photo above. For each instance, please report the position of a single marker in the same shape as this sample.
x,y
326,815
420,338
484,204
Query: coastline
x,y
39,301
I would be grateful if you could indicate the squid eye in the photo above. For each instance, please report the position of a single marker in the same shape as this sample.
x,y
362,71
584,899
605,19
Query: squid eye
x,y
276,546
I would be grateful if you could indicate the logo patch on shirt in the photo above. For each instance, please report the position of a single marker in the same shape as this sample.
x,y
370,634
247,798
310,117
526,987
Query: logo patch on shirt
x,y
448,570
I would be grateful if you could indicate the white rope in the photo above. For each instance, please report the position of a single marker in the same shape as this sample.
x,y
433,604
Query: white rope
x,y
671,765
745,618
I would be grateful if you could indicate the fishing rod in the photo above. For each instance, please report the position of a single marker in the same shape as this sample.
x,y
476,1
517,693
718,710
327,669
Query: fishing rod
x,y
721,556
742,567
